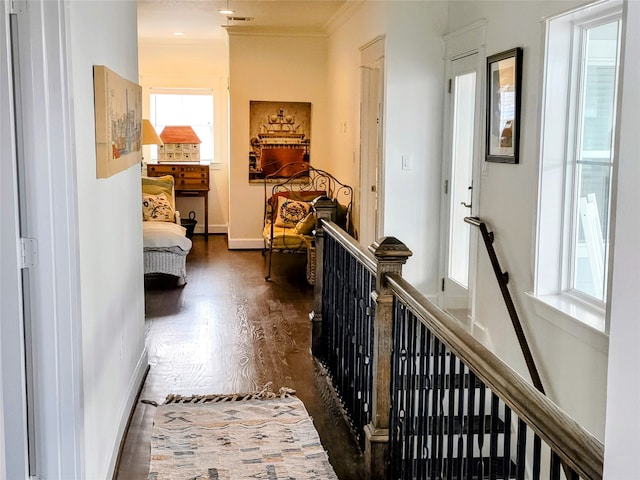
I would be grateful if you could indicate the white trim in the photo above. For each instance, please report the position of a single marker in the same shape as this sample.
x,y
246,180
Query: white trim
x,y
133,389
213,229
246,244
466,40
13,432
50,186
581,320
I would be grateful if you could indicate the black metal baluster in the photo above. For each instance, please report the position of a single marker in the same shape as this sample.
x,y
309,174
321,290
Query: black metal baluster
x,y
554,472
522,449
428,380
462,392
435,408
359,374
423,419
482,413
493,438
411,381
393,418
536,458
370,333
442,379
471,420
406,456
451,392
506,464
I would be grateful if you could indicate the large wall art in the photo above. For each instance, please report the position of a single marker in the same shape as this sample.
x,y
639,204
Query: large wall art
x,y
118,111
279,139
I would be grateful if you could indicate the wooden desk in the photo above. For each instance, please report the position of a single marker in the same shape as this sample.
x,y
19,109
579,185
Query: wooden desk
x,y
191,180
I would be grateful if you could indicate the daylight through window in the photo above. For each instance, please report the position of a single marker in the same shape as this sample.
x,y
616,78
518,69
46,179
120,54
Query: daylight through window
x,y
193,108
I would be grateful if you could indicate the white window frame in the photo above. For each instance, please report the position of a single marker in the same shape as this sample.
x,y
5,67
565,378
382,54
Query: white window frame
x,y
187,91
554,299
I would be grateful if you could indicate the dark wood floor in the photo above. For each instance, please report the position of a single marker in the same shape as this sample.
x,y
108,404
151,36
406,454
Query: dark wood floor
x,y
229,331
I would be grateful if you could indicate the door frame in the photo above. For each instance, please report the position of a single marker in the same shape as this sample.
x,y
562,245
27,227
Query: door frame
x,y
467,41
13,416
47,175
372,59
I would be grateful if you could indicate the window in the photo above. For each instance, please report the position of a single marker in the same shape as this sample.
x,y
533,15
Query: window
x,y
591,189
578,154
184,107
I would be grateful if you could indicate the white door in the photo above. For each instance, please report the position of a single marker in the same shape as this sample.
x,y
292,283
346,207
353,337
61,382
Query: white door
x,y
462,154
372,75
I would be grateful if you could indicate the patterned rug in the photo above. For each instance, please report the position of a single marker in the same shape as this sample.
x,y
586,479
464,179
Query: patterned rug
x,y
245,436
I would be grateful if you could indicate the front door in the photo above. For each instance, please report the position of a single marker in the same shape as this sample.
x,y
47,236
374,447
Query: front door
x,y
462,151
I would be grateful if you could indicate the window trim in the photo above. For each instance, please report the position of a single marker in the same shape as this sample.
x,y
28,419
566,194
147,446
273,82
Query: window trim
x,y
553,233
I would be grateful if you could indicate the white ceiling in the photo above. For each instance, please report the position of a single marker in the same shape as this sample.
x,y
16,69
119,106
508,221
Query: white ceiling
x,y
200,20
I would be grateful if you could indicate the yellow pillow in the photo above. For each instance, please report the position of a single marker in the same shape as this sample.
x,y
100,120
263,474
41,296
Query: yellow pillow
x,y
306,225
157,208
158,185
290,212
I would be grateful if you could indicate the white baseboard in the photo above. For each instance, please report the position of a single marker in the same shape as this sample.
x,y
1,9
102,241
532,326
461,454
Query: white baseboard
x,y
213,229
246,243
133,389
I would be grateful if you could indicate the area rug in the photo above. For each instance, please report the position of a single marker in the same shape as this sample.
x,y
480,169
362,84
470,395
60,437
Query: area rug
x,y
261,435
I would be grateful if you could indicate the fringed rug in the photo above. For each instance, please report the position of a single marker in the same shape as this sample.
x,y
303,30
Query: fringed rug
x,y
245,436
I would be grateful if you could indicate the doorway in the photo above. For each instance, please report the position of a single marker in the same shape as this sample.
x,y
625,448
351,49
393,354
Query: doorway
x,y
371,128
459,197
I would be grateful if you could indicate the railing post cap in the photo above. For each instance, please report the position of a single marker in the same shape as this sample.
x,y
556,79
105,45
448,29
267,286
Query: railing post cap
x,y
323,202
390,249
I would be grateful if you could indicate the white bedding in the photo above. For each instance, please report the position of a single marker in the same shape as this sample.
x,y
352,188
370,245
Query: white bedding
x,y
165,235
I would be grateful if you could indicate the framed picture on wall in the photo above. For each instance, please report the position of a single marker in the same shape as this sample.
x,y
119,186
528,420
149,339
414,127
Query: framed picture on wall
x,y
118,117
504,78
279,139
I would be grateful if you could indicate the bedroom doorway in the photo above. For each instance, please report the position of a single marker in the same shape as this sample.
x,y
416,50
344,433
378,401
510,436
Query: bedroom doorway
x,y
371,128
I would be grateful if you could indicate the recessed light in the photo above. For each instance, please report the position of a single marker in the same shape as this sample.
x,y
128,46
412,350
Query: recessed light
x,y
178,34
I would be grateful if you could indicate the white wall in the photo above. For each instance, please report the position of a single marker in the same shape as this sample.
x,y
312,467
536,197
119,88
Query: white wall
x,y
201,64
572,361
413,106
270,68
622,440
110,235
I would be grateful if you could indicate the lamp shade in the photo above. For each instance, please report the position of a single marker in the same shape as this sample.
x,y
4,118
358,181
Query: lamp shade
x,y
149,135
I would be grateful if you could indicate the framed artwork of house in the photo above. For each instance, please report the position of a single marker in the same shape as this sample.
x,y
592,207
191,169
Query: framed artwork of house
x,y
118,117
279,136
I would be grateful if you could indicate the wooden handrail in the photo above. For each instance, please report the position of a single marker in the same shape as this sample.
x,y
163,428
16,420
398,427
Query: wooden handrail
x,y
503,279
574,445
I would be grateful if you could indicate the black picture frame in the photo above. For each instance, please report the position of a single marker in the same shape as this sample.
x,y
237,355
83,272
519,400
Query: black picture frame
x,y
504,92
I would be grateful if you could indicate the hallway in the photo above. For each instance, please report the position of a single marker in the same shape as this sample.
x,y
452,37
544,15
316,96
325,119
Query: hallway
x,y
229,331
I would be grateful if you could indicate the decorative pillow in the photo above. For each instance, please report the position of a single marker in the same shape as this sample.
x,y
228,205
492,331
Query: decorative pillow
x,y
290,212
306,225
157,208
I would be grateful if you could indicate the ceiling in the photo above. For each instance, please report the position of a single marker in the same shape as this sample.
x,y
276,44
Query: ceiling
x,y
199,20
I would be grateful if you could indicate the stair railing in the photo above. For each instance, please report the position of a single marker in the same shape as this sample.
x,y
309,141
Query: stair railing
x,y
425,397
503,280
459,412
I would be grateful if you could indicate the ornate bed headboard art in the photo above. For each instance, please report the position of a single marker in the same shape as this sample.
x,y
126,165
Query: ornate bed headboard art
x,y
289,213
305,184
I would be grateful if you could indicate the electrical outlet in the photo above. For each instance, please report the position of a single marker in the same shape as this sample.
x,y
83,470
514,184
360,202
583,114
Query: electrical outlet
x,y
406,162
